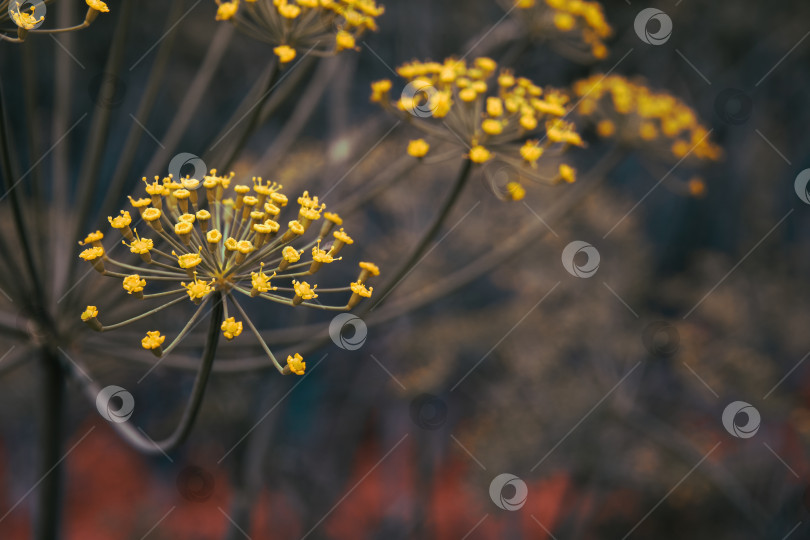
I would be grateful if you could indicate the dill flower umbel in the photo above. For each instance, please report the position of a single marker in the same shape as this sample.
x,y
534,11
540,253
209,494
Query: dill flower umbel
x,y
637,116
323,27
493,115
576,27
29,16
204,245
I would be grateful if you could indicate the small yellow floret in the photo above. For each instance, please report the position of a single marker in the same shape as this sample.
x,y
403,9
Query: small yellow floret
x,y
285,53
91,312
418,148
134,284
231,328
479,154
153,340
296,364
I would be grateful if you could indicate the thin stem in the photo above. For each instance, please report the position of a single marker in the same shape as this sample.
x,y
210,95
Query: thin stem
x,y
178,436
256,333
153,88
50,441
254,116
19,223
428,235
89,174
141,316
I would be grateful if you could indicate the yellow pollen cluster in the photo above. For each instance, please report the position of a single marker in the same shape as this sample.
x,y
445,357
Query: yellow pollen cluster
x,y
490,111
620,107
579,20
321,26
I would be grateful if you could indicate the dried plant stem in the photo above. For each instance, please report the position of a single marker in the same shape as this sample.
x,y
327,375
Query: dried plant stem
x,y
255,115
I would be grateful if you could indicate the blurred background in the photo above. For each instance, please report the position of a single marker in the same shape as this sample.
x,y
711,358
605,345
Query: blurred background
x,y
603,397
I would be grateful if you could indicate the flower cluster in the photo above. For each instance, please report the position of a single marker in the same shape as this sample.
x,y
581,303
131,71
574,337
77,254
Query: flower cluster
x,y
574,24
493,114
228,245
28,19
638,116
323,27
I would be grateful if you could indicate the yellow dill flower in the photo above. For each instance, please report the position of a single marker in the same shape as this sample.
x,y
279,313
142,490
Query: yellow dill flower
x,y
153,342
195,247
418,148
285,53
568,173
492,113
226,10
133,284
643,117
380,90
197,290
516,191
577,27
261,282
93,239
98,5
231,328
296,364
360,289
26,21
479,154
323,27
303,291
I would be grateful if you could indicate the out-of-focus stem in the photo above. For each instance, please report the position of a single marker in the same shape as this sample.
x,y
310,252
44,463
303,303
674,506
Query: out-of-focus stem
x,y
48,509
255,115
427,237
